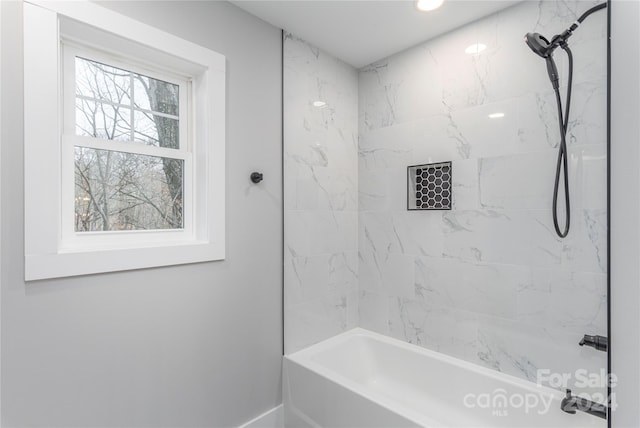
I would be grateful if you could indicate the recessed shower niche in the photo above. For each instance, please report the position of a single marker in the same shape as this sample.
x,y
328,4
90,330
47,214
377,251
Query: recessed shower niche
x,y
429,186
486,280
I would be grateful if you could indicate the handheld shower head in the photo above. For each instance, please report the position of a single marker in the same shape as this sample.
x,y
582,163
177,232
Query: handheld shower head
x,y
538,44
544,48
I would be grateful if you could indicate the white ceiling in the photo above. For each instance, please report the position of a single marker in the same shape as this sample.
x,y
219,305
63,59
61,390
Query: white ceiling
x,y
360,32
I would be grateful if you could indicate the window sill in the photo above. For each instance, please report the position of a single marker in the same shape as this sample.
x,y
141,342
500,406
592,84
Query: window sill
x,y
52,250
85,262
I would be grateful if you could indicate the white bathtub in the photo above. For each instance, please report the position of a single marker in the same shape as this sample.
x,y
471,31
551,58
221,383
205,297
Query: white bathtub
x,y
363,379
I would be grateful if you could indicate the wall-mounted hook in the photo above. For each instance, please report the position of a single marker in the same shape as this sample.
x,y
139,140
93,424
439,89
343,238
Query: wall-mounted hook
x,y
256,177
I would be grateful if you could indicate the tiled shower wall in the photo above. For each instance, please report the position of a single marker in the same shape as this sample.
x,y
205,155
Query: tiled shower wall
x,y
488,281
321,202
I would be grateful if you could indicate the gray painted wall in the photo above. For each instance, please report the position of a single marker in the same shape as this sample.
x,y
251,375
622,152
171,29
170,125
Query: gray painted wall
x,y
625,210
193,345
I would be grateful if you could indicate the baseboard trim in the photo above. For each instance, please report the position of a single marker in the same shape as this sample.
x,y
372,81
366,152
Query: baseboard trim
x,y
273,418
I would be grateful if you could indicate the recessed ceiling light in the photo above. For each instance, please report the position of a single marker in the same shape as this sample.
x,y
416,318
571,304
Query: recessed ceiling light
x,y
496,115
427,5
319,104
475,48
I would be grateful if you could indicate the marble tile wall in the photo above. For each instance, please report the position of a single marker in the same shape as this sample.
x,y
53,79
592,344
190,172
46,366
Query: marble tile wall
x,y
321,195
488,281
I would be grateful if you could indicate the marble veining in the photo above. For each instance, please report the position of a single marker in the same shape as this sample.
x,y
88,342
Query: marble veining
x,y
490,281
321,194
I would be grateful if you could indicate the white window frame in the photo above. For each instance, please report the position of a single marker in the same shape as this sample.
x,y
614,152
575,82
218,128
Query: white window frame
x,y
53,33
113,239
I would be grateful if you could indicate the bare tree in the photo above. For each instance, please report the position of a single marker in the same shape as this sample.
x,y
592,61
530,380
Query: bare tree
x,y
117,190
164,98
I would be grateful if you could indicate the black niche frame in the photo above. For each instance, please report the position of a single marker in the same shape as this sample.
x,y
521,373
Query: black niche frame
x,y
422,180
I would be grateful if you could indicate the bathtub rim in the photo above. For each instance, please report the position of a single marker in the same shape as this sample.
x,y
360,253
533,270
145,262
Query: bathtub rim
x,y
304,358
301,358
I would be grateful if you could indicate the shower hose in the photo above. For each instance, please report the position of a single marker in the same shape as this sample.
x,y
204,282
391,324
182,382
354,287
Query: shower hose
x,y
563,122
562,163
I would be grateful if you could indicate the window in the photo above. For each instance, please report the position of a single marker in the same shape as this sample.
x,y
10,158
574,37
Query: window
x,y
124,149
127,133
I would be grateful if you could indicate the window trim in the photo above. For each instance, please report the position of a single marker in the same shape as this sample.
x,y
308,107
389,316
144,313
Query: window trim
x,y
46,24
